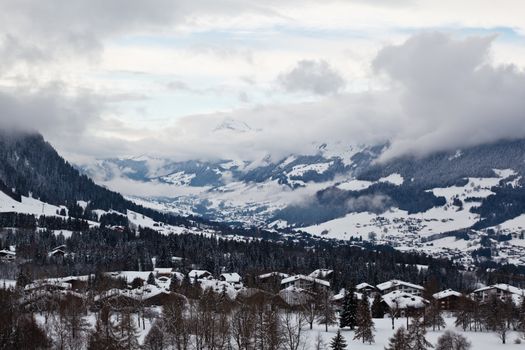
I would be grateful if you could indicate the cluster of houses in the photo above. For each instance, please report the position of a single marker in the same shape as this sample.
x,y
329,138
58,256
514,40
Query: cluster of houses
x,y
289,290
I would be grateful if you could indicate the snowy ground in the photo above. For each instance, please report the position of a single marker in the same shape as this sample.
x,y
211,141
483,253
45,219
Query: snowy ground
x,y
480,341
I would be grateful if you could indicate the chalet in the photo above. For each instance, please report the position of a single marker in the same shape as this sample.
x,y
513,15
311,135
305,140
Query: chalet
x,y
232,278
365,288
163,271
397,285
7,255
502,291
163,297
447,299
199,275
58,252
271,281
401,303
255,296
338,299
323,274
177,260
294,296
305,282
116,299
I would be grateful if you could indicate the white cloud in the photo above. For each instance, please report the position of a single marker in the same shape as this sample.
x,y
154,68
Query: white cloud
x,y
312,76
429,92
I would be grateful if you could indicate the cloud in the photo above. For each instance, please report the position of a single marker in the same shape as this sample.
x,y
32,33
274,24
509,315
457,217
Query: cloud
x,y
316,77
370,203
450,94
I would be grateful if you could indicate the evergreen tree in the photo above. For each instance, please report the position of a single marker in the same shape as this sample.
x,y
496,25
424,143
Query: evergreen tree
x,y
174,283
417,333
365,325
22,279
338,342
151,279
378,309
399,341
349,313
464,313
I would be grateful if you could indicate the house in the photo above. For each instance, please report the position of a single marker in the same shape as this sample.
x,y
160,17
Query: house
x,y
271,281
255,296
164,297
447,299
232,278
305,282
7,255
294,296
57,252
199,274
393,285
177,260
338,299
502,291
365,288
323,274
401,303
163,271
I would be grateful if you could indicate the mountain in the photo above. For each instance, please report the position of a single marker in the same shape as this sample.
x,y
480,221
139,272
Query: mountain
x,y
33,175
343,191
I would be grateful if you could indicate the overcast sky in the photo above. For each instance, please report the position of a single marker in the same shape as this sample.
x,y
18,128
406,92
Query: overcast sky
x,y
166,78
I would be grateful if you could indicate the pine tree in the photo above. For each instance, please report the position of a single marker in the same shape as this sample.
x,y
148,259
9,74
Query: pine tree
x,y
464,313
349,313
174,283
399,341
417,333
378,309
365,325
151,279
338,342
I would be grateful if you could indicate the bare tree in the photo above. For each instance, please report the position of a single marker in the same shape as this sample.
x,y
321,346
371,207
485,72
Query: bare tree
x,y
326,314
293,324
243,327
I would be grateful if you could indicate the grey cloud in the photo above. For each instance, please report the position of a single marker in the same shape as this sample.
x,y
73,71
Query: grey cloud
x,y
450,94
317,77
370,203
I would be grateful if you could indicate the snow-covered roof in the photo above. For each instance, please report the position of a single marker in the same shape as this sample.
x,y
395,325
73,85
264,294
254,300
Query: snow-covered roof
x,y
341,295
7,252
272,274
198,273
403,300
445,294
163,270
233,277
393,283
307,278
504,287
219,287
321,273
364,285
44,283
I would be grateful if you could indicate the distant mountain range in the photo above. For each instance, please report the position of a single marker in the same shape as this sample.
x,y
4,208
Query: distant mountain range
x,y
328,183
459,203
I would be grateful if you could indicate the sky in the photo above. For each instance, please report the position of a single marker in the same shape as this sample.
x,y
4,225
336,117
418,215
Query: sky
x,y
232,79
